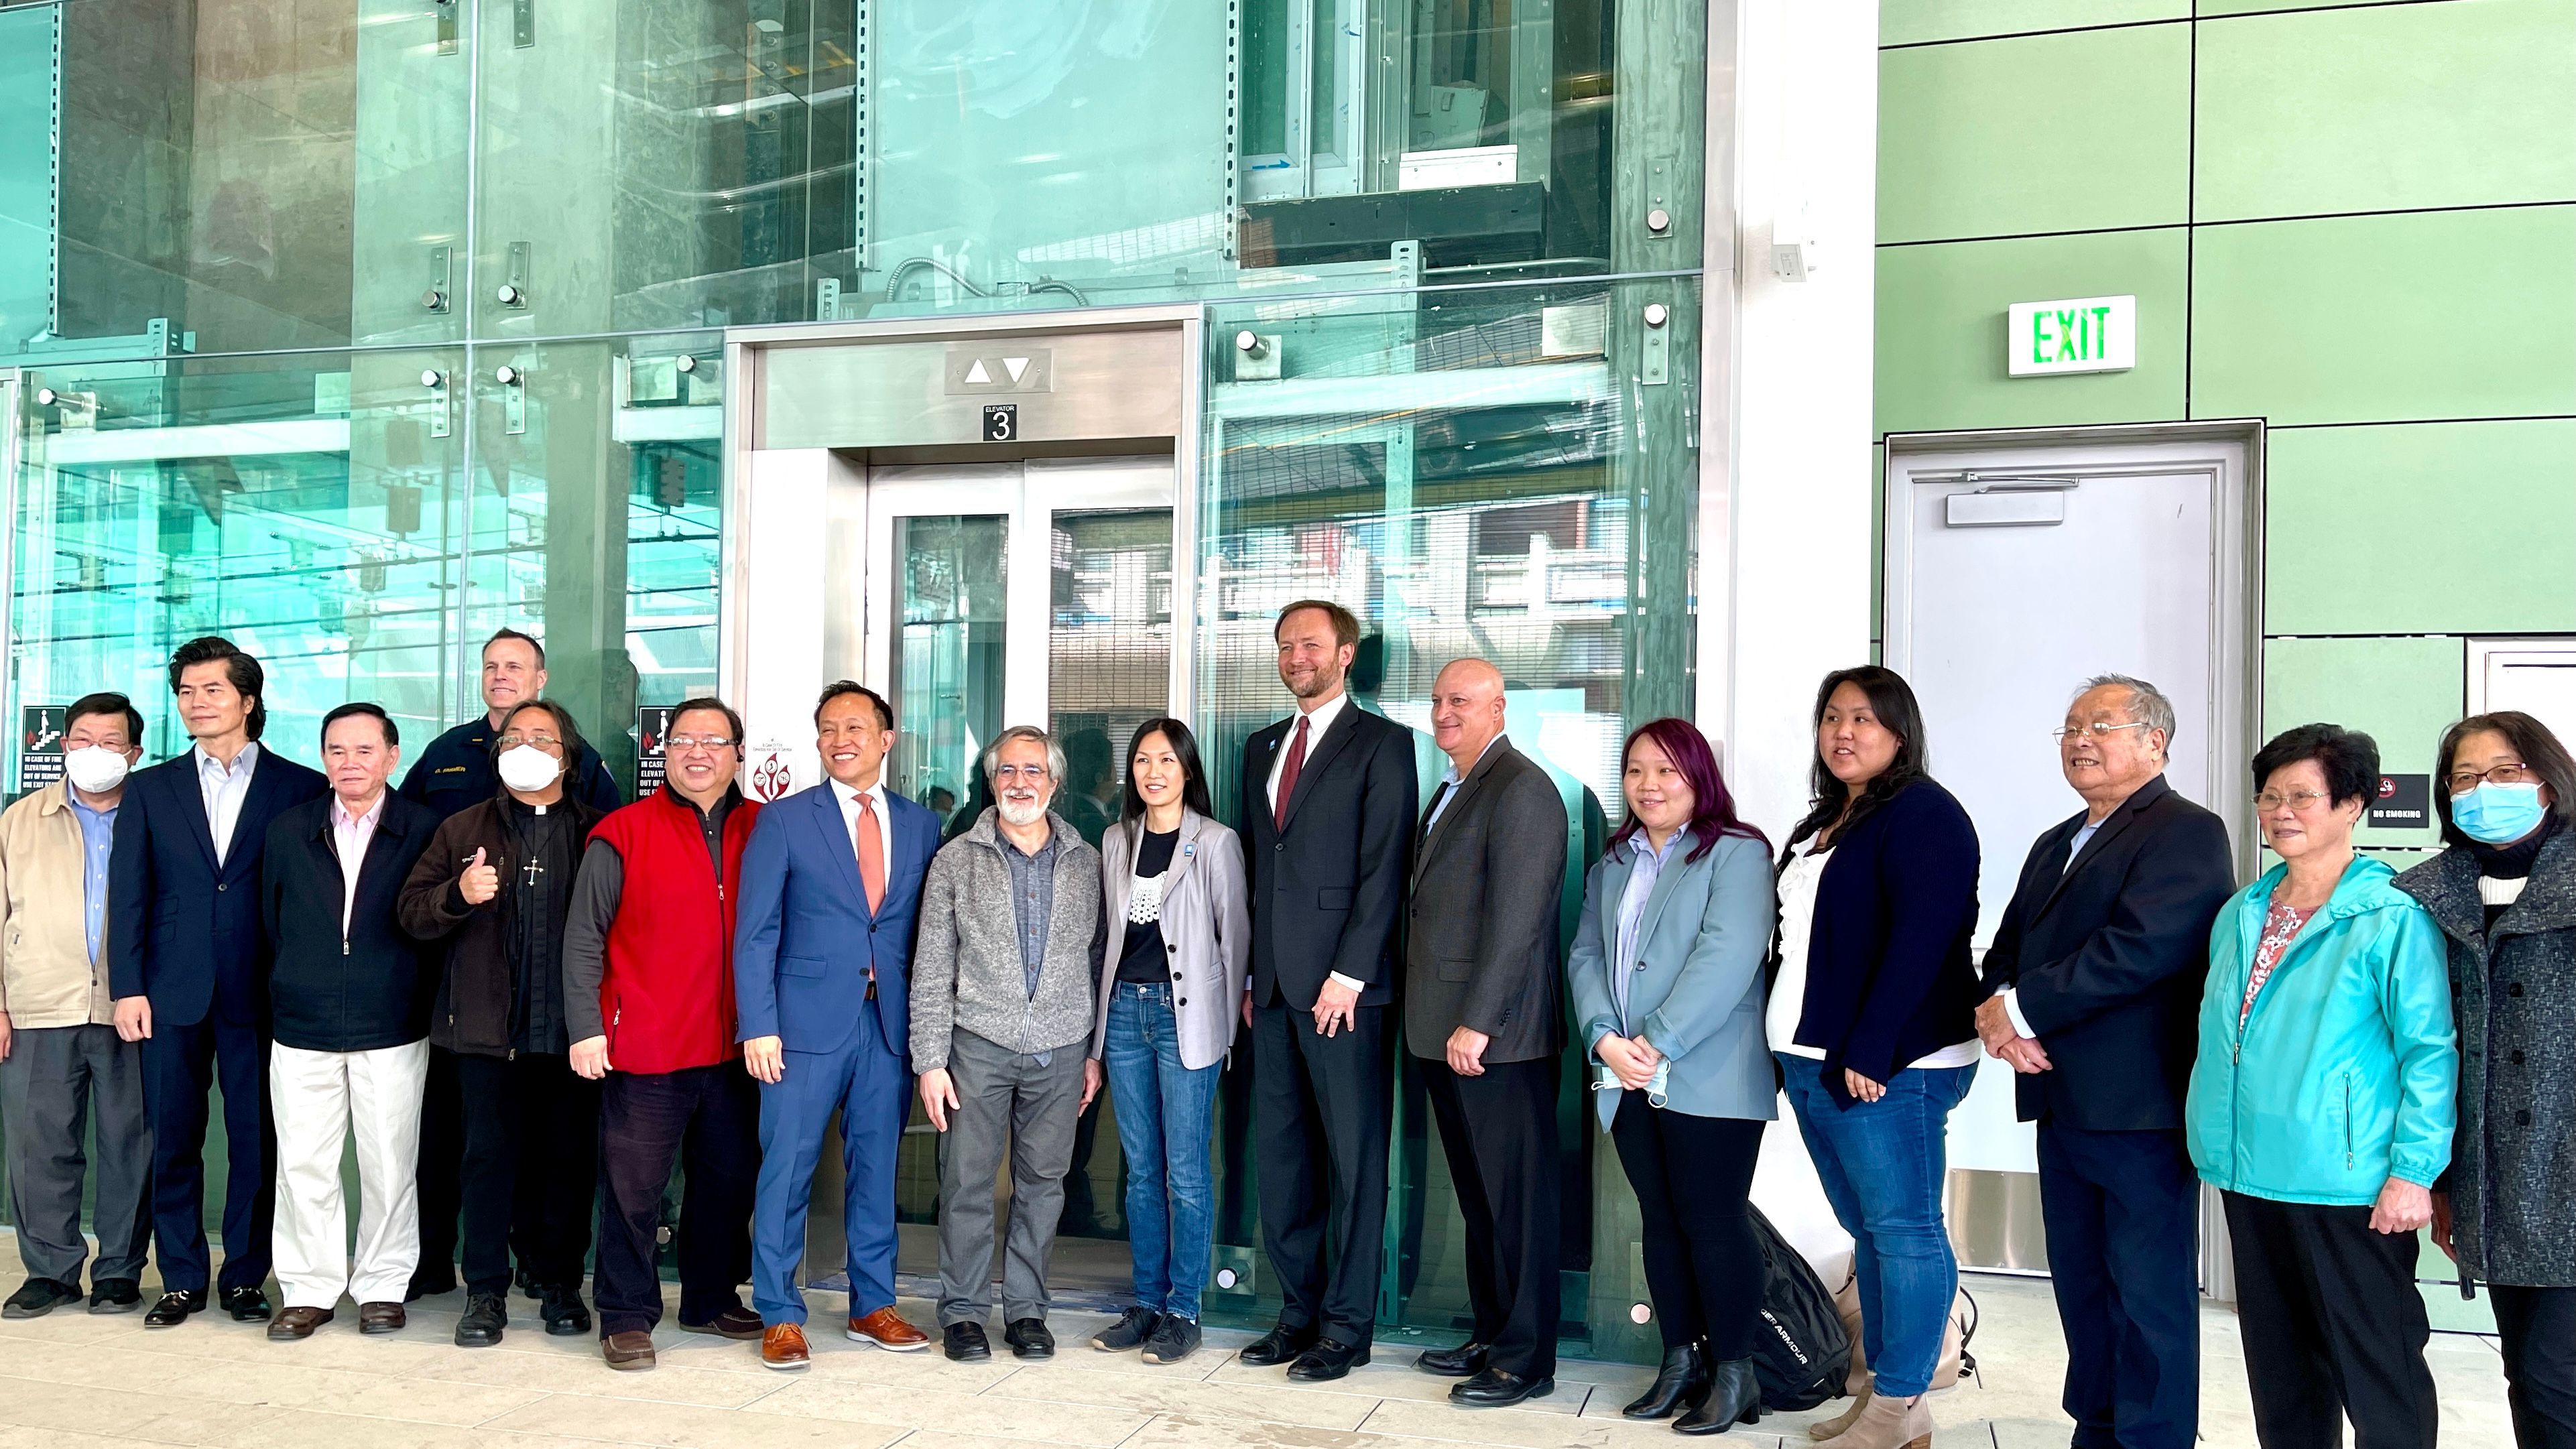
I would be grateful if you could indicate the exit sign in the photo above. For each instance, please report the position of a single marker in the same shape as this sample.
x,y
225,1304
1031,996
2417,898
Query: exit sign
x,y
2084,334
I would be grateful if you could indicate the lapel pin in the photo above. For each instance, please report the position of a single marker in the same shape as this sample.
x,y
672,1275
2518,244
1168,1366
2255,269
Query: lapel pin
x,y
1190,848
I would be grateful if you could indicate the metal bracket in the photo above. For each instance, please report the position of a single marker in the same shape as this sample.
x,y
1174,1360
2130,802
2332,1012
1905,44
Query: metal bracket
x,y
827,300
514,396
441,273
514,277
1655,358
447,26
442,404
523,23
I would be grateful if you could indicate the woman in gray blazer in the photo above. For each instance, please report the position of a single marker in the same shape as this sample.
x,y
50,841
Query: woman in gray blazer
x,y
1181,940
1666,981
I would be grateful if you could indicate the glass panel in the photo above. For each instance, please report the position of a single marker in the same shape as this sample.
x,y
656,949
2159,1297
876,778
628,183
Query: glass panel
x,y
948,658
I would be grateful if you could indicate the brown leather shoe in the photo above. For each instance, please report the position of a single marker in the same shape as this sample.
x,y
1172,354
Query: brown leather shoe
x,y
887,1329
632,1349
734,1322
297,1323
782,1347
381,1318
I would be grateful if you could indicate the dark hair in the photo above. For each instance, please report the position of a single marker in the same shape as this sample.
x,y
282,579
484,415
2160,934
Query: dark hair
x,y
2349,758
564,727
1892,700
2530,739
528,639
1346,625
1712,808
108,702
358,707
839,687
733,721
242,671
1185,747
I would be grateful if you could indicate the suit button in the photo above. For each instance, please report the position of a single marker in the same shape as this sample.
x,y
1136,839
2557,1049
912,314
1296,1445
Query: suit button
x,y
220,886
1186,1001
1280,845
2517,1059
1176,976
2522,1119
2514,990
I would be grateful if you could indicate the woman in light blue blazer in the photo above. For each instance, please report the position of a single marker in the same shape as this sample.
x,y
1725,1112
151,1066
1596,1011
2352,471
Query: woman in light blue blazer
x,y
1666,981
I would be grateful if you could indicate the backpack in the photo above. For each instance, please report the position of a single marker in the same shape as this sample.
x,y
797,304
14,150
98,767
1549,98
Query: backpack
x,y
1801,1351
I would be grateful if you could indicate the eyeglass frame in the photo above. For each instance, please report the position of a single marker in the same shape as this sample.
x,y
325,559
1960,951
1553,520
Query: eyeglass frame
x,y
2452,780
712,744
2097,729
2312,797
514,739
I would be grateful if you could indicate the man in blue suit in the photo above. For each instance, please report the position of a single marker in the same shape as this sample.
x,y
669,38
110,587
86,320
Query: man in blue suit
x,y
831,882
188,966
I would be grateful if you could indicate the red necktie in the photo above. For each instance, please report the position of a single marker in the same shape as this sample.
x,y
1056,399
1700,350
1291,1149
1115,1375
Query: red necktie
x,y
1288,775
871,864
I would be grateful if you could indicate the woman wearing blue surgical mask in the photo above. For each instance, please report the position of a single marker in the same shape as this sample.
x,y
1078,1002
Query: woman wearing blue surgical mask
x,y
2505,894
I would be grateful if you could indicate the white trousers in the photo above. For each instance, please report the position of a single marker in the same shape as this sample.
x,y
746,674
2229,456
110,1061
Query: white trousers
x,y
318,1098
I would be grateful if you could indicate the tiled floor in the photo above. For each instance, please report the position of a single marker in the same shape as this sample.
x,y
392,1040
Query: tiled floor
x,y
71,1380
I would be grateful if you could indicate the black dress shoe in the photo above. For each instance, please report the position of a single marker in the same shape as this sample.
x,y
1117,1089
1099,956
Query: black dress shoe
x,y
39,1296
1495,1389
115,1295
1280,1345
1029,1338
1734,1397
1328,1360
247,1305
563,1311
966,1343
1453,1363
487,1317
1679,1384
174,1307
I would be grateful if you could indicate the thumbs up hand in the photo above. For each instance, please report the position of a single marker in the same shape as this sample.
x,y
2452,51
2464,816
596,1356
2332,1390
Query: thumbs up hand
x,y
480,882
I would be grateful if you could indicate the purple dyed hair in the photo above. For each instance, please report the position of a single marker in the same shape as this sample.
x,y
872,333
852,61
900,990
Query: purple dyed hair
x,y
1712,808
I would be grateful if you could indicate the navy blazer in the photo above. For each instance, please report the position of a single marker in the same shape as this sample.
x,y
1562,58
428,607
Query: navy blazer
x,y
803,937
1890,978
2110,956
183,932
1328,887
369,987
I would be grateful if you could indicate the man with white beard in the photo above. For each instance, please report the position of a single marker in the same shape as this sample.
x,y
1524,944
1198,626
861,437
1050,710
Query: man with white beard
x,y
1002,972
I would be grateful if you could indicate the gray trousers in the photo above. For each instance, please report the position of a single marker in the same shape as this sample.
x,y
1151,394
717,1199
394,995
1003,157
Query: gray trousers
x,y
51,1080
1004,1100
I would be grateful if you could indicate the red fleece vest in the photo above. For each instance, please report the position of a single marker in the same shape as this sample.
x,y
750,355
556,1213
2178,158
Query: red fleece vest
x,y
667,992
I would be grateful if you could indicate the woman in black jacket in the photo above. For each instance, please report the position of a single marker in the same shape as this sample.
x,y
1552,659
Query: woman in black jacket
x,y
1873,1021
2505,895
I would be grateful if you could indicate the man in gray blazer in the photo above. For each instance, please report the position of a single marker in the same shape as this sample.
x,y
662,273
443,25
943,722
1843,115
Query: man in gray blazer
x,y
1481,1013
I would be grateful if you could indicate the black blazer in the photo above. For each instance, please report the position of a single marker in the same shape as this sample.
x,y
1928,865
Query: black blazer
x,y
1327,888
2110,957
1480,940
1889,974
371,990
183,932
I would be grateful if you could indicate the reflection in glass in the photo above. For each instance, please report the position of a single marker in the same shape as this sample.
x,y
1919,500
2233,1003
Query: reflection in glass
x,y
1109,650
948,678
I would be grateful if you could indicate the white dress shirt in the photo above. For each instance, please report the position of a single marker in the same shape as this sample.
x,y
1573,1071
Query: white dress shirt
x,y
849,801
224,789
349,835
1318,720
2012,994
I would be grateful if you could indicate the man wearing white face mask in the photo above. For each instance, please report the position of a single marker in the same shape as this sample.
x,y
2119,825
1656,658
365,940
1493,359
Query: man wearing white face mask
x,y
61,1062
495,887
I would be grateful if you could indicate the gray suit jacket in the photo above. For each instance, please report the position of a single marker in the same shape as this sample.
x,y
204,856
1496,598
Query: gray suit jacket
x,y
1480,946
1695,990
1205,923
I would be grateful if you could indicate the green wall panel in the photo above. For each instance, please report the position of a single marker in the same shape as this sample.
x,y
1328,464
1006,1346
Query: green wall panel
x,y
2460,527
2460,314
2043,133
1910,22
2379,109
1940,353
2251,7
2401,692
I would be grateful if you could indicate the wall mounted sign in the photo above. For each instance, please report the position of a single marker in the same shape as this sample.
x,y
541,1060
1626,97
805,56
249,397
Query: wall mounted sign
x,y
652,724
2404,802
1001,422
40,744
2082,334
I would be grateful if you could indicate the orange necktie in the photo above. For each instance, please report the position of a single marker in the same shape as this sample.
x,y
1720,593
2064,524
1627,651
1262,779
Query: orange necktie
x,y
871,855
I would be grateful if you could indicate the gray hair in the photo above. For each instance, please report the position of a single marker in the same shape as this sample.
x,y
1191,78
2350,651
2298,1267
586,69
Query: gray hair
x,y
1054,751
2147,704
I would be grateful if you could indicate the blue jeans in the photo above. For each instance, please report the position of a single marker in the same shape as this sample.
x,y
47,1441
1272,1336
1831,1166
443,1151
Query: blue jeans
x,y
1882,1165
1166,1113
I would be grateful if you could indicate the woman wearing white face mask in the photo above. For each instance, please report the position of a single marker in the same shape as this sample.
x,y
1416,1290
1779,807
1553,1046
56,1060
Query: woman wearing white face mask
x,y
2505,894
494,885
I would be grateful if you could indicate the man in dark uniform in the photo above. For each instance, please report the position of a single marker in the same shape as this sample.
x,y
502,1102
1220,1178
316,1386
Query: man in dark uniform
x,y
456,772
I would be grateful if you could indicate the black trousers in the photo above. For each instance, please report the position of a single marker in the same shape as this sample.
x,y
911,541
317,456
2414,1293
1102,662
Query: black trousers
x,y
2538,1326
530,1173
1499,1130
708,1118
1694,1178
1321,1111
2122,1212
2333,1327
442,1152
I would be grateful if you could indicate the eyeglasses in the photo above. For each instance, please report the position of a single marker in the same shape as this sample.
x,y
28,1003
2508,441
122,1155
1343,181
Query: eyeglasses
x,y
1030,773
2299,801
2097,730
681,744
547,743
2517,773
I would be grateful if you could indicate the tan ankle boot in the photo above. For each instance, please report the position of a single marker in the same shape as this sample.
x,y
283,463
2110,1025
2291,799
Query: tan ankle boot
x,y
1833,1427
1888,1423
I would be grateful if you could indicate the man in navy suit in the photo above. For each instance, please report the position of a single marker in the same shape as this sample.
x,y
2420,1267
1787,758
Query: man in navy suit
x,y
188,965
831,882
2096,971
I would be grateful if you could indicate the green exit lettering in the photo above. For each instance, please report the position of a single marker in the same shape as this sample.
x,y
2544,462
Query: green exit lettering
x,y
2062,335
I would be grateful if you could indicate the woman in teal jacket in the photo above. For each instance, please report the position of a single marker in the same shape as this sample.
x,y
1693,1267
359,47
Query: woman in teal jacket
x,y
1665,977
2322,1107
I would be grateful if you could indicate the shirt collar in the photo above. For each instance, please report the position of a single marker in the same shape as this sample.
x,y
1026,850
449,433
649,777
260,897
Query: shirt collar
x,y
342,820
83,806
241,763
847,796
1321,717
1455,777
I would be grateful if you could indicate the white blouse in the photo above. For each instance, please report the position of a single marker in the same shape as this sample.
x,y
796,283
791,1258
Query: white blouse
x,y
1789,992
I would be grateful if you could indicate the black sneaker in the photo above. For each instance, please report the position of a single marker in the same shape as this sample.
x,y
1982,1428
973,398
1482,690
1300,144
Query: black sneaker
x,y
115,1295
37,1297
487,1316
1131,1330
563,1311
1176,1339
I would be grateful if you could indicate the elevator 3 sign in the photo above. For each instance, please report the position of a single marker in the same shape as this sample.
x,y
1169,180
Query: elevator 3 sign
x,y
2082,334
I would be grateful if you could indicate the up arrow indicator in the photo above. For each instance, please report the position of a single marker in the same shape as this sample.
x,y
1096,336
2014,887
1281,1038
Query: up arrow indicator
x,y
977,374
1015,365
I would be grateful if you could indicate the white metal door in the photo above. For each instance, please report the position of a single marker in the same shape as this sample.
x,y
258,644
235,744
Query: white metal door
x,y
2536,676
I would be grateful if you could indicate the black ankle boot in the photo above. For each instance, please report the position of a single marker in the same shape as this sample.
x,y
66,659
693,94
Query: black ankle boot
x,y
1679,1383
1734,1397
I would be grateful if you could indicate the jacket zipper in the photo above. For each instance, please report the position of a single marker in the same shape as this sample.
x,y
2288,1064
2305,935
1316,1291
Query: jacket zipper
x,y
2347,1123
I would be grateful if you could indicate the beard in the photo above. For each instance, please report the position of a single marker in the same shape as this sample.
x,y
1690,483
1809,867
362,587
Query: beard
x,y
1029,813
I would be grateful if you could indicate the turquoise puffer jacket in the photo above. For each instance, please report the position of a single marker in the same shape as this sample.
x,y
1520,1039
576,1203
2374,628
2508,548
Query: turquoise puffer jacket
x,y
2345,1072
